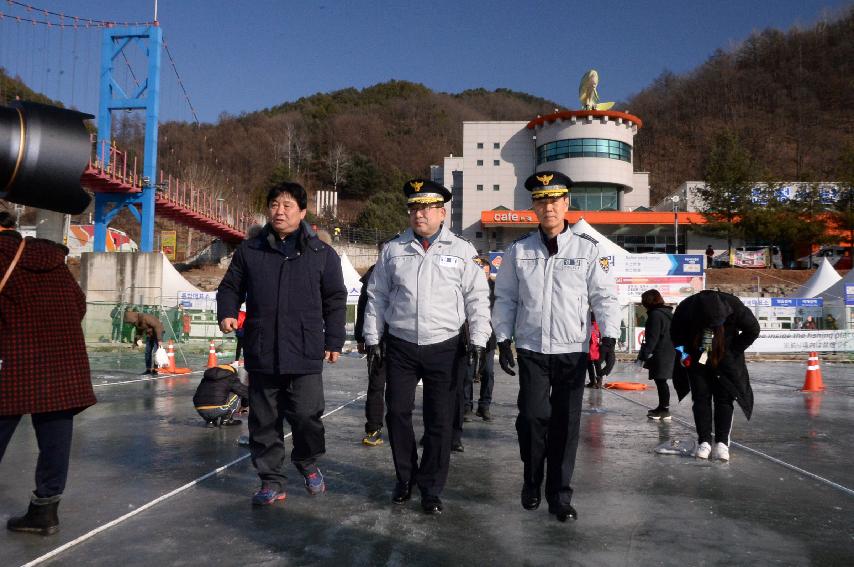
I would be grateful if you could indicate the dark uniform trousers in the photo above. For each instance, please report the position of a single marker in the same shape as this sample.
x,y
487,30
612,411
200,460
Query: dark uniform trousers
x,y
706,388
436,366
53,434
274,398
551,389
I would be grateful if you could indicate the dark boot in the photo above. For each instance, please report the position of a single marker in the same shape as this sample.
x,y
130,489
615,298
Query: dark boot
x,y
41,517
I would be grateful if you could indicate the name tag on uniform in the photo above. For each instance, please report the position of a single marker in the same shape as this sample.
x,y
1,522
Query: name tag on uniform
x,y
448,261
571,264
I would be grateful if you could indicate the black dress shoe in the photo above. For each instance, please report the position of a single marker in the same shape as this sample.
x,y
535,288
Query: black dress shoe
x,y
431,504
530,497
458,447
402,493
563,513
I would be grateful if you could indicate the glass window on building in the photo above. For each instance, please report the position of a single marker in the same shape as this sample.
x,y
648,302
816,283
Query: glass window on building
x,y
584,147
480,187
480,145
496,162
480,162
593,198
496,145
496,188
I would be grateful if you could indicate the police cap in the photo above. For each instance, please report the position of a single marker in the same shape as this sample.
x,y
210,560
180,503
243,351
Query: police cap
x,y
544,184
423,191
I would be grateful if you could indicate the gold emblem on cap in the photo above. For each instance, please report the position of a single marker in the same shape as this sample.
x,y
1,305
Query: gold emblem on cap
x,y
545,179
417,185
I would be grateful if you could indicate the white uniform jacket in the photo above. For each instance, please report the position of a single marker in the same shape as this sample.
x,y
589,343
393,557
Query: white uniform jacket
x,y
425,296
544,303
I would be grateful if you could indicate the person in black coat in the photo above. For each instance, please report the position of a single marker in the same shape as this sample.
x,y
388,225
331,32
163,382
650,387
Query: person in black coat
x,y
715,329
657,352
374,405
219,394
296,303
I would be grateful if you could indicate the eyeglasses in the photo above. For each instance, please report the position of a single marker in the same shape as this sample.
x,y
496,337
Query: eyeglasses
x,y
415,208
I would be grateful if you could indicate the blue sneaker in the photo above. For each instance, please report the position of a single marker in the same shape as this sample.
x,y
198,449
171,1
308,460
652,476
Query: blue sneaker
x,y
267,495
314,483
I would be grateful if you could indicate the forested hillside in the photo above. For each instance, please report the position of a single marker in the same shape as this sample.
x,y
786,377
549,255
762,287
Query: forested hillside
x,y
786,95
358,141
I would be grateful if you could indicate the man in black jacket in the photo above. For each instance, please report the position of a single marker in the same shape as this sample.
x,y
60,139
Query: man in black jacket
x,y
296,305
218,396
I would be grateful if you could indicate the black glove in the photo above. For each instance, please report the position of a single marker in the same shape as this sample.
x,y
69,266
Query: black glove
x,y
606,353
375,356
477,358
505,357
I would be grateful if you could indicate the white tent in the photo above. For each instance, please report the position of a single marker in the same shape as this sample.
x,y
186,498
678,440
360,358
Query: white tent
x,y
351,280
605,245
824,277
836,292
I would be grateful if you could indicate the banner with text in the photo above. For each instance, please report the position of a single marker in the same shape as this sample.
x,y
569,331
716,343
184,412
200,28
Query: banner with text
x,y
804,341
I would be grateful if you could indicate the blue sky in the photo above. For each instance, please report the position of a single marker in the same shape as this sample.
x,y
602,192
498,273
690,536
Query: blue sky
x,y
239,56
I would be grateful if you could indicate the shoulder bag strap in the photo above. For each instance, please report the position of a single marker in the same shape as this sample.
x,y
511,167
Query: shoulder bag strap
x,y
14,263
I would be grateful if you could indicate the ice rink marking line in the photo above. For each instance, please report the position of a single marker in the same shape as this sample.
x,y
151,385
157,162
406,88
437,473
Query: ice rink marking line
x,y
180,489
158,377
757,452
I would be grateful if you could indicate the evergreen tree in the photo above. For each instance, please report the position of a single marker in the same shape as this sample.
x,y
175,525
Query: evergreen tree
x,y
726,196
385,212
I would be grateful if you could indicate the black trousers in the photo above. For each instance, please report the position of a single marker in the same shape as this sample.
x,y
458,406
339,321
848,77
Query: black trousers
x,y
374,405
663,393
53,434
551,389
151,346
226,410
594,370
437,366
707,390
273,398
462,377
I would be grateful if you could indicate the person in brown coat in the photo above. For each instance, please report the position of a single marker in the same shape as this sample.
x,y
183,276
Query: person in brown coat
x,y
44,369
151,328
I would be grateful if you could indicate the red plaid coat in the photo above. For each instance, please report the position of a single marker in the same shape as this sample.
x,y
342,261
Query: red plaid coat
x,y
44,363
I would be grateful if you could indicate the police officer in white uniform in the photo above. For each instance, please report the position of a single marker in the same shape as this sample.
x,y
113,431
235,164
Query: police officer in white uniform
x,y
424,287
547,284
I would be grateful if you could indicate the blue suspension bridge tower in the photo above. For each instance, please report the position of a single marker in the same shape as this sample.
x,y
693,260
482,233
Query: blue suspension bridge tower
x,y
146,97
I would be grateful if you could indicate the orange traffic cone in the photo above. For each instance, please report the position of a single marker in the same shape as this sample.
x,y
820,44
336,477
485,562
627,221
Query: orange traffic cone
x,y
813,381
212,356
170,352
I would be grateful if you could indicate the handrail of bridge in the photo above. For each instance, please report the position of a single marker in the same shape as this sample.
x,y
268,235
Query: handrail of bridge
x,y
169,189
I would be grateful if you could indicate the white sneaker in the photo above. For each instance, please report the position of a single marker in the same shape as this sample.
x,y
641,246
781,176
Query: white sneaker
x,y
721,452
703,450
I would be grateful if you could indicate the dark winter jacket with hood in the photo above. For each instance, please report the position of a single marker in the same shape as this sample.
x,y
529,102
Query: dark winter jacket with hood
x,y
295,297
708,309
657,350
217,386
44,364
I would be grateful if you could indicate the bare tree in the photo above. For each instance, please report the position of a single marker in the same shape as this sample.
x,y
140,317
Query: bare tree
x,y
337,160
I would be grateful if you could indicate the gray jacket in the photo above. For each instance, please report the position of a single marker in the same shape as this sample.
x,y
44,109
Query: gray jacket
x,y
425,297
544,303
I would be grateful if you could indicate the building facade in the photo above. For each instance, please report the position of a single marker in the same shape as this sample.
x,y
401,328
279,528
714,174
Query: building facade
x,y
491,206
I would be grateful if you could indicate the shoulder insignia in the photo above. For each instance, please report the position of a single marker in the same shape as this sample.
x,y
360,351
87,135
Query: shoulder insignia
x,y
588,237
605,264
